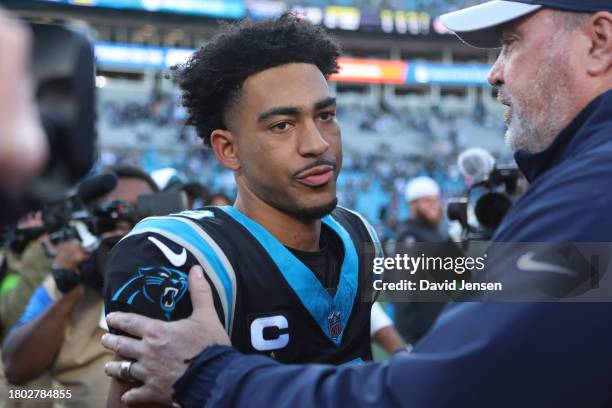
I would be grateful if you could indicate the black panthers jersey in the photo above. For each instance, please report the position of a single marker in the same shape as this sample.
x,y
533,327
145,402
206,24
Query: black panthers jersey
x,y
268,300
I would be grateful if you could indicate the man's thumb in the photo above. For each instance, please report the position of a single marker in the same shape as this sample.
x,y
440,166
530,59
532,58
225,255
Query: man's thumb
x,y
200,292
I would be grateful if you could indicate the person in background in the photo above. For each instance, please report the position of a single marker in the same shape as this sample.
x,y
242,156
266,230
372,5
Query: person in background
x,y
59,332
414,318
423,198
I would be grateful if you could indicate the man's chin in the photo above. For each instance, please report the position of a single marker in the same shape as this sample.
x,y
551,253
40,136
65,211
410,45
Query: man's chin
x,y
315,212
511,140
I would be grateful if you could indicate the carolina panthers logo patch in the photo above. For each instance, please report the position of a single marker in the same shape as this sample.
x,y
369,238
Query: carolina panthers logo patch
x,y
159,285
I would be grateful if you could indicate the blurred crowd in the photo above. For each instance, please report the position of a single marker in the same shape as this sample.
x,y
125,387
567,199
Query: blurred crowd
x,y
155,117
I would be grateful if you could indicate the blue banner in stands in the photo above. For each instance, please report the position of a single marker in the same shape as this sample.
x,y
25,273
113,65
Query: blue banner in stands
x,y
447,74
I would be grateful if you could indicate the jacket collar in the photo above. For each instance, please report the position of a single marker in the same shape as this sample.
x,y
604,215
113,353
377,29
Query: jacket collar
x,y
571,140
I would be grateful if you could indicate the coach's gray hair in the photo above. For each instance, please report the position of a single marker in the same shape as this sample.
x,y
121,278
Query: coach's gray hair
x,y
571,20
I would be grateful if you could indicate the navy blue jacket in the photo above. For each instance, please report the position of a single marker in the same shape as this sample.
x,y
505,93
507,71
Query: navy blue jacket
x,y
477,354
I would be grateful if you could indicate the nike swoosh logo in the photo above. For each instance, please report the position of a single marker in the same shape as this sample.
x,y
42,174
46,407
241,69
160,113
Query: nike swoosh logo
x,y
527,263
175,259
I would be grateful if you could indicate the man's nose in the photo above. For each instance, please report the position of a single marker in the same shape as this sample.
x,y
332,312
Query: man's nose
x,y
312,141
496,75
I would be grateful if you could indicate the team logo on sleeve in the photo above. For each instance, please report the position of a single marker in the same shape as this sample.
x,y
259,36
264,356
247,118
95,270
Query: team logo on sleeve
x,y
158,285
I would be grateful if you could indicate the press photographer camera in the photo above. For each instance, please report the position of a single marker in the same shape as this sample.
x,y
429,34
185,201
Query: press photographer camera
x,y
84,226
495,186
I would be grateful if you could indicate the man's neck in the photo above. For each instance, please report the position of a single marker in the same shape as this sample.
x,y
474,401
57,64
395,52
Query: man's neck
x,y
300,234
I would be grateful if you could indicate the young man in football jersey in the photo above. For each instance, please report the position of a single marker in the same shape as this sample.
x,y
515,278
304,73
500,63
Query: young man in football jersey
x,y
287,266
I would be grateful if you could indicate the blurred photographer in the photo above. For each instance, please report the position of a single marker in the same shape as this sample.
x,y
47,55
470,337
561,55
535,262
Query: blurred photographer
x,y
65,310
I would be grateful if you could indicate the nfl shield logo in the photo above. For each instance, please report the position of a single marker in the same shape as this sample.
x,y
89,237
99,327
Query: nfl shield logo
x,y
335,325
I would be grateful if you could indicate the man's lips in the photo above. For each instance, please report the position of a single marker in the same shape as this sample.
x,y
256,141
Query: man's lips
x,y
317,176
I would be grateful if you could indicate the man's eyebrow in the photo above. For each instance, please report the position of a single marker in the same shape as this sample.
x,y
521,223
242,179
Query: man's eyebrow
x,y
325,103
508,29
292,110
281,110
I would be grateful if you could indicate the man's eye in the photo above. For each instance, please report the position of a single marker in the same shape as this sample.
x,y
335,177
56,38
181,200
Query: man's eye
x,y
327,116
507,42
281,126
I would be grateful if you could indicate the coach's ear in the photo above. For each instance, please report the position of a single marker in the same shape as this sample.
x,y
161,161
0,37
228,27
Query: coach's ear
x,y
600,56
223,144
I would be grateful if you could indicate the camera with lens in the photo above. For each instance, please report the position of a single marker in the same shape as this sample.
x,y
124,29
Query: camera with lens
x,y
96,225
492,192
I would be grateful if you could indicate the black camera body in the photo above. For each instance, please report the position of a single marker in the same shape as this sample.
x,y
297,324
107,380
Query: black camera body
x,y
80,216
491,206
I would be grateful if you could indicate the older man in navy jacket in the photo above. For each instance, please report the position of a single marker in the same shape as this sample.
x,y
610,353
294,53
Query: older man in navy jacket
x,y
554,73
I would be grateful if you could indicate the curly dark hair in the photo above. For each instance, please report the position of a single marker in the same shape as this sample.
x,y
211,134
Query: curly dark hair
x,y
212,78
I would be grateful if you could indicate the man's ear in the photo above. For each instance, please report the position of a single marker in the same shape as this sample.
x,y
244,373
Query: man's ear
x,y
223,144
600,55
